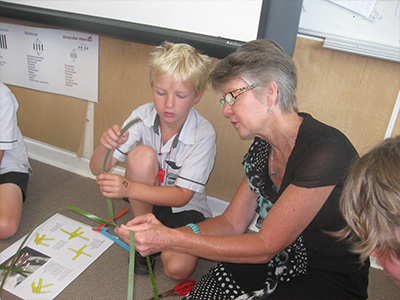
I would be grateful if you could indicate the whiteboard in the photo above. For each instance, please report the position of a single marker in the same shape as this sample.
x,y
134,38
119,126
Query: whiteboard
x,y
377,36
231,19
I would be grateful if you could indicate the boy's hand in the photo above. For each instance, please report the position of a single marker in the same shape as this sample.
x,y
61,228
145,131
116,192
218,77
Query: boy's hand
x,y
111,139
114,185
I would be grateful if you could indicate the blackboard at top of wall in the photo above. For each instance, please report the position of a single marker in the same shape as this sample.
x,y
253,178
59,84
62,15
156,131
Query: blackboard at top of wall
x,y
231,19
169,20
377,35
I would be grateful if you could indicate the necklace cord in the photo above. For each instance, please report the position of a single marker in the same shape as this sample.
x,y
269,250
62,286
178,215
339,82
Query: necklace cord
x,y
273,172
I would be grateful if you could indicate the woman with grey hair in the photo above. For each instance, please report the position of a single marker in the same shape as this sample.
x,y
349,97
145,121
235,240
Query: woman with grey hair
x,y
294,171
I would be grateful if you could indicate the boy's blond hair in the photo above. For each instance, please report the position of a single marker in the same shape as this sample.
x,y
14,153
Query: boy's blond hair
x,y
183,61
370,201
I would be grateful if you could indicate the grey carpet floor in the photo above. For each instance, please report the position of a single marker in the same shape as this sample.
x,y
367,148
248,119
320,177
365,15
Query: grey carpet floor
x,y
107,278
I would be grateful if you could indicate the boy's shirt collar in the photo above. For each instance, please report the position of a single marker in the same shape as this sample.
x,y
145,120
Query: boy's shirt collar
x,y
186,134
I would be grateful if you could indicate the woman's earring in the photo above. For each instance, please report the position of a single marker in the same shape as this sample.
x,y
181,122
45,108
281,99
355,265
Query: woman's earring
x,y
270,110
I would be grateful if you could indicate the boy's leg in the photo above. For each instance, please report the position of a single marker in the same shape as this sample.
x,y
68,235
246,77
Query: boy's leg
x,y
178,265
11,202
142,166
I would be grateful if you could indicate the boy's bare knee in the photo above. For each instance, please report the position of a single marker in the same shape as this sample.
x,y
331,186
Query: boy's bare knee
x,y
142,157
178,269
177,273
7,228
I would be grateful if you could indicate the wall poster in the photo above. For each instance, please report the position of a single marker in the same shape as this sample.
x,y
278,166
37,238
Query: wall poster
x,y
50,60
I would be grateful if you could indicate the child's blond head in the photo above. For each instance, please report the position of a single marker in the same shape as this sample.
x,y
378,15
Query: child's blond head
x,y
183,61
370,200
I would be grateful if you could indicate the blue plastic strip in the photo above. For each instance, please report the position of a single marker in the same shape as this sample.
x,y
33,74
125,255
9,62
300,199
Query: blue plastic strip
x,y
113,238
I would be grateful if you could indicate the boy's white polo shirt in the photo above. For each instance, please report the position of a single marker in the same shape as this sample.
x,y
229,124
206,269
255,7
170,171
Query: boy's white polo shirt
x,y
15,158
191,157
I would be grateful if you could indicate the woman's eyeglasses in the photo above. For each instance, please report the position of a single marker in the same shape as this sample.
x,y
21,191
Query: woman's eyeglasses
x,y
230,97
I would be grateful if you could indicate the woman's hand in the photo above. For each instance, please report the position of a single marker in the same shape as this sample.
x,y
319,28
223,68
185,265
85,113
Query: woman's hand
x,y
114,185
111,138
150,235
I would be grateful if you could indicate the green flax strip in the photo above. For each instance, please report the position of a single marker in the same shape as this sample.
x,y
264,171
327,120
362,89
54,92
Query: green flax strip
x,y
131,233
131,277
109,201
153,282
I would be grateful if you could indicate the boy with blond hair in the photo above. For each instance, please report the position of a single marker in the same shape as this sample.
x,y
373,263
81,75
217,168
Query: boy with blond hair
x,y
169,153
370,203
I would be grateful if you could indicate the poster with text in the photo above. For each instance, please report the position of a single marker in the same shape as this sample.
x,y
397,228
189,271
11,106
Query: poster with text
x,y
54,255
50,60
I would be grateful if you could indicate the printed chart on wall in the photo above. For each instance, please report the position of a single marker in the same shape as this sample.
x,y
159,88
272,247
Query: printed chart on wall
x,y
50,60
55,254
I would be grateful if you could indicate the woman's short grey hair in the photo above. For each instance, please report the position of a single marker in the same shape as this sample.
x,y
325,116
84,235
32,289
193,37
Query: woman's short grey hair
x,y
260,62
